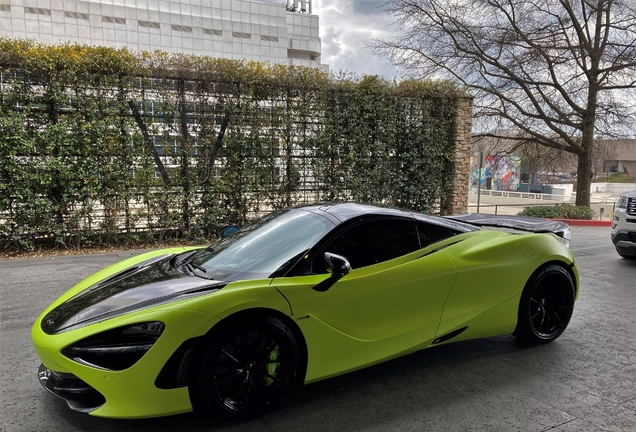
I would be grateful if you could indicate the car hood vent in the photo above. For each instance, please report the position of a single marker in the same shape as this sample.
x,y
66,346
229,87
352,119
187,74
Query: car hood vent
x,y
151,283
118,276
123,274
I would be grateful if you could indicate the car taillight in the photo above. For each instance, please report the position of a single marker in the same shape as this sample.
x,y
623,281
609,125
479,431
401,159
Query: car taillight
x,y
116,349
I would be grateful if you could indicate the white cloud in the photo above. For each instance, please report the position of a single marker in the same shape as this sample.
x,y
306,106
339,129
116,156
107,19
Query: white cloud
x,y
347,27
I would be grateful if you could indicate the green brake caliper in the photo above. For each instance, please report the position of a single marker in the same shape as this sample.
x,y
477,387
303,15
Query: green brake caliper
x,y
272,365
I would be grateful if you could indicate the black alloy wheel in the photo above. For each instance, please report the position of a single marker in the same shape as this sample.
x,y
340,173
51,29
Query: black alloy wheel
x,y
546,305
245,368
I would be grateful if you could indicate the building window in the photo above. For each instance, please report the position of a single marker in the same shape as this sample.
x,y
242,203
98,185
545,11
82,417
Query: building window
x,y
76,15
242,35
38,11
114,20
5,8
181,28
269,38
300,55
213,32
610,166
148,24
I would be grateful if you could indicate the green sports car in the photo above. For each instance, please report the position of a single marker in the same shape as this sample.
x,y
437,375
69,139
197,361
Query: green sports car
x,y
298,296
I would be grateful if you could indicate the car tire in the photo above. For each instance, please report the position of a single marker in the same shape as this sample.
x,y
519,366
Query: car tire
x,y
546,305
244,367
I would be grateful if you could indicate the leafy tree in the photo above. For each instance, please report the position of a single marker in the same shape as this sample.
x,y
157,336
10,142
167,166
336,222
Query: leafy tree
x,y
557,72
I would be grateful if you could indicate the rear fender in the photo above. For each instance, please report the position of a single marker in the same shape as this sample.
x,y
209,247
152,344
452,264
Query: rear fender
x,y
493,268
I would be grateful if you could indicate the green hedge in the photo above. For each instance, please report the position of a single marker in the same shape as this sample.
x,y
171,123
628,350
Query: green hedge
x,y
105,146
616,178
561,211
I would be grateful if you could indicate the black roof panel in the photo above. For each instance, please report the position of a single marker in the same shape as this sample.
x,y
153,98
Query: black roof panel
x,y
341,212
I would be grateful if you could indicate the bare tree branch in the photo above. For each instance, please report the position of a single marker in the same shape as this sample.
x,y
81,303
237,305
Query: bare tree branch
x,y
559,72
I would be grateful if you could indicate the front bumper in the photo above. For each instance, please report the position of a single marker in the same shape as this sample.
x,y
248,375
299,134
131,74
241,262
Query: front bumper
x,y
78,395
130,393
625,242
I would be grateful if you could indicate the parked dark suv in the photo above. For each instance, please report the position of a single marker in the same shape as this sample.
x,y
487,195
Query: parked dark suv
x,y
624,225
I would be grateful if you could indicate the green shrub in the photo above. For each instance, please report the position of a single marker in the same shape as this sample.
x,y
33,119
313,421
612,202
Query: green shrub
x,y
617,178
561,211
98,145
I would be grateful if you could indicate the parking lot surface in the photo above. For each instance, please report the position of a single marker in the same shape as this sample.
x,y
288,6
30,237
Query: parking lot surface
x,y
584,381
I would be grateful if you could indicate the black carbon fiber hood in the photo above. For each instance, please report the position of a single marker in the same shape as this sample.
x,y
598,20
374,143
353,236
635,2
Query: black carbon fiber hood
x,y
147,284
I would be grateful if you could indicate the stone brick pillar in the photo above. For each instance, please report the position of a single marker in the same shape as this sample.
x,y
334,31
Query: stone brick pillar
x,y
458,196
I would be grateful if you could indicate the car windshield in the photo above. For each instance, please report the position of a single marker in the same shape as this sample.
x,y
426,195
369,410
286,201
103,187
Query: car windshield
x,y
272,243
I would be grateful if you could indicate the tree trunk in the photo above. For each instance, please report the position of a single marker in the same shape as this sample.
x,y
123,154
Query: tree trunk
x,y
149,141
585,170
584,178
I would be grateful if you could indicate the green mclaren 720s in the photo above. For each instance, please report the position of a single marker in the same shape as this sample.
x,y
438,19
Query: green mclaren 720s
x,y
297,296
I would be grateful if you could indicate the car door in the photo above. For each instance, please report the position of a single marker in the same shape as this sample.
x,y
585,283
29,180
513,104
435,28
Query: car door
x,y
391,301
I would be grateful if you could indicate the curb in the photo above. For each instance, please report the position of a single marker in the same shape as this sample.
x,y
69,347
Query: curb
x,y
583,222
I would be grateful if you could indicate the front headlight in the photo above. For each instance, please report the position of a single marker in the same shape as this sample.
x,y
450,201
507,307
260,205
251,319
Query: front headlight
x,y
116,349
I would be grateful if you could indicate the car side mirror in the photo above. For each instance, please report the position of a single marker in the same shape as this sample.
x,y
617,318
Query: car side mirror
x,y
338,267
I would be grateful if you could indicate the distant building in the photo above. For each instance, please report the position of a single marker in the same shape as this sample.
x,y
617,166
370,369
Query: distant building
x,y
238,29
622,159
543,165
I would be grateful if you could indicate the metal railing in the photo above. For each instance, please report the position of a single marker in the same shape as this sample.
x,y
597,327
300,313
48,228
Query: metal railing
x,y
604,208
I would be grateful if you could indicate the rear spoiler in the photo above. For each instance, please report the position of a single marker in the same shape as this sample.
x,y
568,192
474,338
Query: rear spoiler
x,y
520,223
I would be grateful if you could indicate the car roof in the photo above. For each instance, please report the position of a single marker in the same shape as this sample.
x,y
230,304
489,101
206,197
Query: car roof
x,y
346,211
630,194
343,212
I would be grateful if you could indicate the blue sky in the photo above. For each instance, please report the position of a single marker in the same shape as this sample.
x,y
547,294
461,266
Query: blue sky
x,y
346,28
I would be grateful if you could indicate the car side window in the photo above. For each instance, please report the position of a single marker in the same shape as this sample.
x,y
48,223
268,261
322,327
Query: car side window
x,y
429,233
371,243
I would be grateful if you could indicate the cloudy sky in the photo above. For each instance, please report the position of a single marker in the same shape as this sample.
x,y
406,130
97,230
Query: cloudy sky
x,y
346,28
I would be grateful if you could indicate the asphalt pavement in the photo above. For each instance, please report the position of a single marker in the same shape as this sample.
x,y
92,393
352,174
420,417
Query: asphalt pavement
x,y
584,381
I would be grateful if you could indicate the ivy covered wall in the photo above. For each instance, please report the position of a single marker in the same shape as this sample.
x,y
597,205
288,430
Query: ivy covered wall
x,y
105,146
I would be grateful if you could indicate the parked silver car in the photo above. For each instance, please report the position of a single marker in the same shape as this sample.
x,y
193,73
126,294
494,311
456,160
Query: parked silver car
x,y
624,225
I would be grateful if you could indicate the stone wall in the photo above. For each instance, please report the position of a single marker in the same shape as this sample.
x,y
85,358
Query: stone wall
x,y
458,196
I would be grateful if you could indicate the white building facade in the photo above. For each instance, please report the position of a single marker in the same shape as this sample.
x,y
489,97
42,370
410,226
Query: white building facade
x,y
237,29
